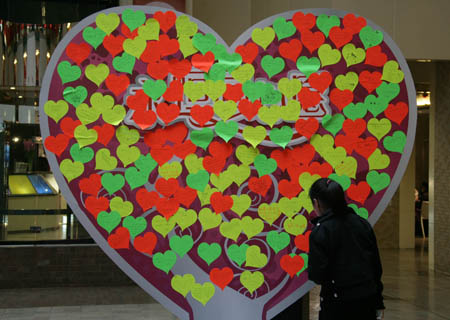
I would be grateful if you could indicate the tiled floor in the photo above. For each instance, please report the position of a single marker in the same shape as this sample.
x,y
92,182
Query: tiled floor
x,y
411,292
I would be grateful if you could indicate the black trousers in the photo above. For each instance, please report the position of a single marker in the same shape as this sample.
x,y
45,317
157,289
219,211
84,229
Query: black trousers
x,y
363,309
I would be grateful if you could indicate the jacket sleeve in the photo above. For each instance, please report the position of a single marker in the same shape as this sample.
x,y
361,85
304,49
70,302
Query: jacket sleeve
x,y
378,272
318,260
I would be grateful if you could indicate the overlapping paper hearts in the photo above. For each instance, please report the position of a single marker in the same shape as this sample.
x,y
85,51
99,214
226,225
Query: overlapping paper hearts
x,y
190,163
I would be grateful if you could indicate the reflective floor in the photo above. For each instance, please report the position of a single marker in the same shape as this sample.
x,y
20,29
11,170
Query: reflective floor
x,y
411,292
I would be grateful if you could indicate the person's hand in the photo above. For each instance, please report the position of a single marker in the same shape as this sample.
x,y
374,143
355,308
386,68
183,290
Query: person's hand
x,y
380,314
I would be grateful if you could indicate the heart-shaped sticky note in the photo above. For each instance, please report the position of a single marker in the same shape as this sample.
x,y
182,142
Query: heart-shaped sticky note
x,y
195,159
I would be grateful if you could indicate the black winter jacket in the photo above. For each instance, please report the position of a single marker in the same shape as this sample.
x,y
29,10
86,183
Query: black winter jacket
x,y
344,258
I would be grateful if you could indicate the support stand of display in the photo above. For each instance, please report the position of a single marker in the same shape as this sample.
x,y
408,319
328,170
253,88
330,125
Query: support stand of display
x,y
297,311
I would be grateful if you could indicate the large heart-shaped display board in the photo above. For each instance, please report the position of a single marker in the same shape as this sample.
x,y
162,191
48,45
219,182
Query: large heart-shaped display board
x,y
189,162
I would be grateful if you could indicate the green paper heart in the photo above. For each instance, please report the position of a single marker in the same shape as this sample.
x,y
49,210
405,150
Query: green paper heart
x,y
204,43
229,61
253,90
251,280
370,37
202,138
277,241
388,91
85,136
225,109
107,22
135,225
133,19
194,90
86,114
362,212
254,135
71,170
75,96
328,56
375,105
353,55
238,253
347,82
146,163
231,229
183,284
334,123
185,218
215,89
82,155
164,261
186,46
392,73
270,115
289,87
282,28
291,111
209,252
246,155
343,180
396,142
270,95
325,23
254,257
124,208
379,128
347,167
289,207
135,178
241,203
68,72
355,111
198,181
238,174
296,225
243,73
112,183
127,136
181,245
115,115
203,292
271,65
93,36
308,66
101,103
209,219
135,46
226,130
162,225
124,63
150,30
127,154
378,181
108,221
252,227
56,110
264,166
97,74
185,27
154,88
378,161
282,136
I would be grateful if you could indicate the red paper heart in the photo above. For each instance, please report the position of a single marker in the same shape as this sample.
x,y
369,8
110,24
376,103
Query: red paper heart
x,y
120,239
220,203
303,21
146,199
375,57
161,154
341,98
179,68
166,187
138,101
302,241
369,80
117,84
185,196
353,23
221,277
213,164
202,114
308,98
68,125
321,81
127,33
366,147
176,133
57,144
233,92
104,133
248,52
145,243
78,52
291,265
167,113
174,92
144,118
360,192
396,112
307,127
221,150
312,40
322,169
166,19
249,109
203,62
158,69
113,44
152,52
167,207
96,205
283,158
289,189
167,45
348,142
182,149
340,36
91,185
260,185
354,127
303,154
291,50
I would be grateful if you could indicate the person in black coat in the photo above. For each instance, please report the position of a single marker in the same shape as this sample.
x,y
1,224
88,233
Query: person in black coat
x,y
343,258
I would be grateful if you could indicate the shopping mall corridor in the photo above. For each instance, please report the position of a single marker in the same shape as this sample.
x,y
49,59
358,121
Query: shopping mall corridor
x,y
411,292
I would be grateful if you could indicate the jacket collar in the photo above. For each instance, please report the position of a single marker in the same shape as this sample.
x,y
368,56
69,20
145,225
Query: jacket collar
x,y
329,214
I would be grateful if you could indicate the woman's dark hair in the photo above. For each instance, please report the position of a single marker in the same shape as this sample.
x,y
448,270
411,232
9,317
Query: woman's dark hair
x,y
330,194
